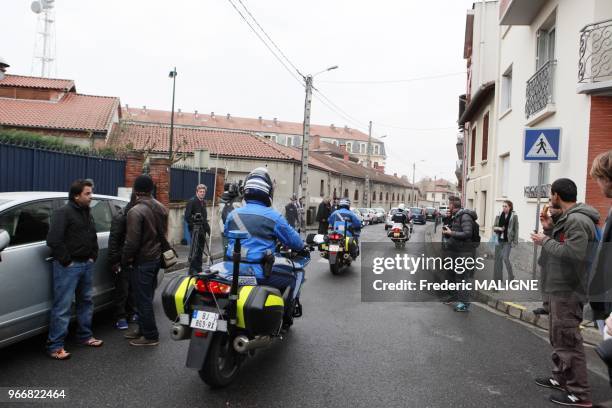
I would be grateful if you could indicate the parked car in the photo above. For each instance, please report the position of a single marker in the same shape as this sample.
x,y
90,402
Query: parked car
x,y
26,266
430,213
358,214
380,214
368,216
373,215
418,215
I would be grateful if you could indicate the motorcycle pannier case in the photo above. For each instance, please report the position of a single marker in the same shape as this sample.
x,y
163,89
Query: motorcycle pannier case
x,y
175,295
260,310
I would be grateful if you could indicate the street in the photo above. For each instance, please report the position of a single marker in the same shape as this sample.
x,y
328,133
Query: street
x,y
342,352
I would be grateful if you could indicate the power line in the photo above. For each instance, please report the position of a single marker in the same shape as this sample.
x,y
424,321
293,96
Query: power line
x,y
415,129
266,44
270,38
394,81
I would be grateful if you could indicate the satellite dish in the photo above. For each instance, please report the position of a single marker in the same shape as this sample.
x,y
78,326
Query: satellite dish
x,y
36,7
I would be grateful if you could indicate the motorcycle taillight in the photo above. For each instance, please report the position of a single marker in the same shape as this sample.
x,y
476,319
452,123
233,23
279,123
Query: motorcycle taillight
x,y
214,287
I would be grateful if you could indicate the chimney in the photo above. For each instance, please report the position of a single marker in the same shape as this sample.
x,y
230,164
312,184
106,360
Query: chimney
x,y
275,122
229,117
394,174
315,142
195,113
144,109
346,128
179,112
127,106
260,119
332,127
212,115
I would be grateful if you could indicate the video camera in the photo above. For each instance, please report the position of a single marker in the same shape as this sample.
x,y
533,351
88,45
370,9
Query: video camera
x,y
232,190
197,219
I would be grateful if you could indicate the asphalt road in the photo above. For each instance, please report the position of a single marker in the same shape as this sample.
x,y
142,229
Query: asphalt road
x,y
342,352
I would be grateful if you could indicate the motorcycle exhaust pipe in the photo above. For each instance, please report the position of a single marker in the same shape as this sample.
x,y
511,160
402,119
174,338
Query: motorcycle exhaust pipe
x,y
180,332
242,344
346,255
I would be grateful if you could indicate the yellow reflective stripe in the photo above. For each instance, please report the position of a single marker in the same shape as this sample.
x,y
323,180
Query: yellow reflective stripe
x,y
180,294
245,291
274,300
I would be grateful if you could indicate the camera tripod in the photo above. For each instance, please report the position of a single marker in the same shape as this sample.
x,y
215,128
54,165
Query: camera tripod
x,y
195,243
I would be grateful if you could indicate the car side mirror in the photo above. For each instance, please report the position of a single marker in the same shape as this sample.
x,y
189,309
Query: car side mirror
x,y
5,239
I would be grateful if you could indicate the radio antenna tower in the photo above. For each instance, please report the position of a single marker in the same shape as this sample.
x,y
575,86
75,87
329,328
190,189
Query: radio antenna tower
x,y
43,62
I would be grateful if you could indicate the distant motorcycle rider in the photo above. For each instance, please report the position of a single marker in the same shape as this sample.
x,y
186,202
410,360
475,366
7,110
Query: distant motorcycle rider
x,y
343,215
401,216
266,227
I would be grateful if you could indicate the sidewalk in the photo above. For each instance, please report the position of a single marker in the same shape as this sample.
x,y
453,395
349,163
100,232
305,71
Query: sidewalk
x,y
518,310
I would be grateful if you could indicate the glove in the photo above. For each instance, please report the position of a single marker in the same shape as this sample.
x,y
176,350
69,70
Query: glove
x,y
305,252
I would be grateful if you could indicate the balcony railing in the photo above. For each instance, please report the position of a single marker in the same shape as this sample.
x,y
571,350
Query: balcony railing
x,y
595,62
540,89
459,169
459,146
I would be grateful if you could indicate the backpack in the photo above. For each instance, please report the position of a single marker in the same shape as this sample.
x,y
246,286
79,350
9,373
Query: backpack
x,y
592,250
475,241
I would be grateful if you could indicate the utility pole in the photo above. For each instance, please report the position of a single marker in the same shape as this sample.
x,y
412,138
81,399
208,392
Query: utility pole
x,y
435,190
173,76
367,177
413,195
305,143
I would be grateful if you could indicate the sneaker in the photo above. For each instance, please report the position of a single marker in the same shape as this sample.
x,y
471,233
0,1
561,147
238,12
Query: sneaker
x,y
462,307
569,400
549,382
540,311
134,318
121,324
132,333
141,341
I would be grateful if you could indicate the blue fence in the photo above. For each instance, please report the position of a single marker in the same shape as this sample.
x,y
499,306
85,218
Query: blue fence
x,y
28,169
183,182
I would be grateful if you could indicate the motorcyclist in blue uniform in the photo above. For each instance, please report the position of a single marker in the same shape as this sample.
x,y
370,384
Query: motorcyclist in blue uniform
x,y
343,215
401,217
266,227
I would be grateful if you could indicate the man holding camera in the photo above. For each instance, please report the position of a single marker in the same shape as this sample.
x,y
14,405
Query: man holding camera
x,y
196,218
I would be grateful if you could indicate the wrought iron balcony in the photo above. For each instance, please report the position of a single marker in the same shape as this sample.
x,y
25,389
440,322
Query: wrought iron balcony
x,y
595,62
540,89
459,146
459,169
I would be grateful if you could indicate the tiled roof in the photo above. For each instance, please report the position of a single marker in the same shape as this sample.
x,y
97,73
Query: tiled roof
x,y
37,82
238,123
222,142
72,112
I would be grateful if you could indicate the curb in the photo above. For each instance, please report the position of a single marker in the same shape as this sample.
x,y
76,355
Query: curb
x,y
517,311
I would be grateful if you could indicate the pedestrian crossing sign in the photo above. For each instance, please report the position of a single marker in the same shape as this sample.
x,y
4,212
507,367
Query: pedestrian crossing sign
x,y
542,145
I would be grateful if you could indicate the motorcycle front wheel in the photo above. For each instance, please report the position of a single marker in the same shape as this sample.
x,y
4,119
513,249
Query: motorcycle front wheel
x,y
222,362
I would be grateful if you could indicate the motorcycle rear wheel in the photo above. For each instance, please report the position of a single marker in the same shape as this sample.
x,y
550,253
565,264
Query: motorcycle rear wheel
x,y
222,362
335,267
398,244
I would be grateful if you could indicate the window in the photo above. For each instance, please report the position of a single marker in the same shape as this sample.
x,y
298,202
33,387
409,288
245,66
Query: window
x,y
362,148
473,149
506,95
485,137
504,174
373,195
484,209
101,214
27,223
356,196
444,196
533,174
403,197
289,140
393,197
281,139
346,192
387,199
335,194
546,42
380,196
376,149
322,188
349,147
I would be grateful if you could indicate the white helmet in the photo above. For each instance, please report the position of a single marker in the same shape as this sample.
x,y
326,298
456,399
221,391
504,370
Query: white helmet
x,y
402,206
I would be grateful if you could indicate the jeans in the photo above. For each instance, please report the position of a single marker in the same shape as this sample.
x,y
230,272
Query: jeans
x,y
502,256
144,281
463,295
123,301
77,277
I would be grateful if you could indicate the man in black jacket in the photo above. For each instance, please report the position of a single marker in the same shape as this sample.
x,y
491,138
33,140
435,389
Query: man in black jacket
x,y
74,247
194,213
459,243
291,212
146,227
124,305
323,214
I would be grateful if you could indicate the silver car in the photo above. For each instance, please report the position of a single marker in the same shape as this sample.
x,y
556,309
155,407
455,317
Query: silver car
x,y
26,266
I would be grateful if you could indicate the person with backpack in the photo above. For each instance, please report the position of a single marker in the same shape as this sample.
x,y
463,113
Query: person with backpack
x,y
566,245
462,238
506,227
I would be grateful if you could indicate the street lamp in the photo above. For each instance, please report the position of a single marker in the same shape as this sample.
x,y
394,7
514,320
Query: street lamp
x,y
306,134
172,75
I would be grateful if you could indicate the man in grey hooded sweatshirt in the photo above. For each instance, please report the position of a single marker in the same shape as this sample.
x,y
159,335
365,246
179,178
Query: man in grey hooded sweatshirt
x,y
566,244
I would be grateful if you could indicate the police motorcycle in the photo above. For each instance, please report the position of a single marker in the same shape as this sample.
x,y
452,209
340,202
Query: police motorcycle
x,y
336,246
401,230
226,317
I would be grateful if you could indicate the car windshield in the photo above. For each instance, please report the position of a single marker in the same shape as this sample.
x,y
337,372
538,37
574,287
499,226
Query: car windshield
x,y
431,210
415,210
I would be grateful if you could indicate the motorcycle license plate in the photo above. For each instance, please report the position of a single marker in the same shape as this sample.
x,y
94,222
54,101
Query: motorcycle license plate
x,y
396,234
334,248
203,320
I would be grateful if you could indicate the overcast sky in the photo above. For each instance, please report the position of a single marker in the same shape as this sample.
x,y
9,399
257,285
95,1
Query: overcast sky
x,y
126,49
